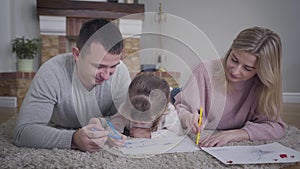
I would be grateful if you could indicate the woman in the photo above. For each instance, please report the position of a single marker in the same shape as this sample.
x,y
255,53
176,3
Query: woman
x,y
252,100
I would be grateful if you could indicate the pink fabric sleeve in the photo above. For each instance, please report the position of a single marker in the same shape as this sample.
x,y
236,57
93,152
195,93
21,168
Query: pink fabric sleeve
x,y
260,128
194,94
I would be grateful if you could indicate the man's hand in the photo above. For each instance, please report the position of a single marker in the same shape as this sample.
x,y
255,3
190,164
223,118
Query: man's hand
x,y
91,137
140,132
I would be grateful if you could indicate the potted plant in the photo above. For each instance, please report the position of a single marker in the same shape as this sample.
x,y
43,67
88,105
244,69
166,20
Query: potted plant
x,y
25,49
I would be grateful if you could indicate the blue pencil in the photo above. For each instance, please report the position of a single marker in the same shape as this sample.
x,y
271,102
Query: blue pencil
x,y
110,135
117,136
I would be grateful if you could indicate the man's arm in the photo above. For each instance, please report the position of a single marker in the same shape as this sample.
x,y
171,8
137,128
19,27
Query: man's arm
x,y
32,128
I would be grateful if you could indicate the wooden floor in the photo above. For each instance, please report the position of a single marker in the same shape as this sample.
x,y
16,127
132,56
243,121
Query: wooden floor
x,y
290,114
6,113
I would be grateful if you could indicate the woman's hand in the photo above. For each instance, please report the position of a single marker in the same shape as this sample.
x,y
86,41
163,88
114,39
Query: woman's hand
x,y
224,137
190,121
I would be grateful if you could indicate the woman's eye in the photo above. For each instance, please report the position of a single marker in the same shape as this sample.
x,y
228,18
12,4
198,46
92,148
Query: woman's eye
x,y
247,69
234,60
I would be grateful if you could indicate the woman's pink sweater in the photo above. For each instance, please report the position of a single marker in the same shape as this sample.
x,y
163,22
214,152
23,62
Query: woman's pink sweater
x,y
232,108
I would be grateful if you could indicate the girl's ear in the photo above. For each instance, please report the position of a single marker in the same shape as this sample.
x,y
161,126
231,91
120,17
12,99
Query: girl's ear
x,y
154,126
166,111
75,52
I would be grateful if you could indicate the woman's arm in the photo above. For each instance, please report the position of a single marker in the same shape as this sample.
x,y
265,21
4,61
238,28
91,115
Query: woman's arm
x,y
262,128
196,93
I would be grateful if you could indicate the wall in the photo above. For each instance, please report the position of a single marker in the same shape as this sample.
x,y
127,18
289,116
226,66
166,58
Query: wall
x,y
18,18
221,21
14,84
6,61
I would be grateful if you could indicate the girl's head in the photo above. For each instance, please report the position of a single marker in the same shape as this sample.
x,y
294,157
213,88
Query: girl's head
x,y
148,97
257,52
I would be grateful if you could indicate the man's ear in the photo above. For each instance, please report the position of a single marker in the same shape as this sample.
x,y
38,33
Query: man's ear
x,y
75,52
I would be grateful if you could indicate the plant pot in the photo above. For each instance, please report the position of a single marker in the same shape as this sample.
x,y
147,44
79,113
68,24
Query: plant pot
x,y
25,65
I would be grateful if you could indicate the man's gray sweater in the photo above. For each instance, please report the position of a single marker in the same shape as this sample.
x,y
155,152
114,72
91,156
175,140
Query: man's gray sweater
x,y
55,106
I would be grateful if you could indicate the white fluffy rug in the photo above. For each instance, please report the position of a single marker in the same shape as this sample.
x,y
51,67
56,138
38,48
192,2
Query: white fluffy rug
x,y
16,157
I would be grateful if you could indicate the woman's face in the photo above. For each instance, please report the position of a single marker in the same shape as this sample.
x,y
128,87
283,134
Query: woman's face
x,y
240,66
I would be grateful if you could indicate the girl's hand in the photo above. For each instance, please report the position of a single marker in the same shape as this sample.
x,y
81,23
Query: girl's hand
x,y
140,132
224,137
117,142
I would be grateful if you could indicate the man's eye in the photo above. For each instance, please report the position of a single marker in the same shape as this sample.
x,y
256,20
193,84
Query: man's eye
x,y
100,66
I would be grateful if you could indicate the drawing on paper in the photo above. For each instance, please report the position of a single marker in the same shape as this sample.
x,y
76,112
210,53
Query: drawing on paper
x,y
268,153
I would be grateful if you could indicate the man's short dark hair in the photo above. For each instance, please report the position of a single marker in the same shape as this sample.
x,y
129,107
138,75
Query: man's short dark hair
x,y
102,31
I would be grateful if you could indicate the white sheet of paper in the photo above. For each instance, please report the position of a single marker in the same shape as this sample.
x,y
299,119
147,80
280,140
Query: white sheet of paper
x,y
267,153
142,146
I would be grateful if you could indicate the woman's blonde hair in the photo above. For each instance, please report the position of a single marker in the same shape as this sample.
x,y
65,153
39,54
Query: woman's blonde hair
x,y
266,46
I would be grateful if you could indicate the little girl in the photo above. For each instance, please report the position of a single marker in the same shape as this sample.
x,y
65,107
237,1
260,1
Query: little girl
x,y
147,112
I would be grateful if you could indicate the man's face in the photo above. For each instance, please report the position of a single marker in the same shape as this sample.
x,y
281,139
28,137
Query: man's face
x,y
96,66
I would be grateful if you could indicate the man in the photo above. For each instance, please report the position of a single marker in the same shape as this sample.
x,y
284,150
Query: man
x,y
70,90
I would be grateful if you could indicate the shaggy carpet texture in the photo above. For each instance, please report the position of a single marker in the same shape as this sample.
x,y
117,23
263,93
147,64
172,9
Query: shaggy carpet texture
x,y
16,157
